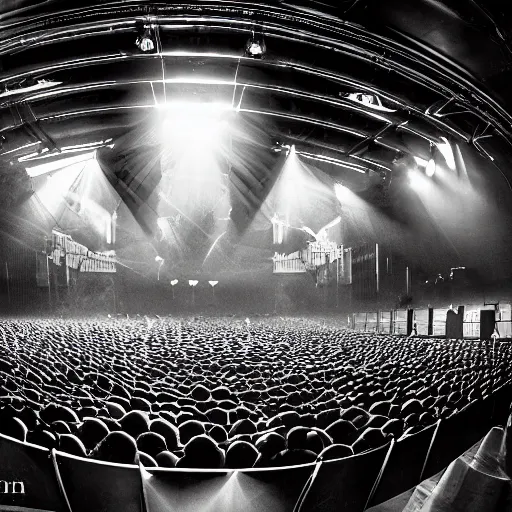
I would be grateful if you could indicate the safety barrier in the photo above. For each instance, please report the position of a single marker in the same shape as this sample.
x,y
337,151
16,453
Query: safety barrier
x,y
439,322
385,322
422,321
430,321
59,482
400,322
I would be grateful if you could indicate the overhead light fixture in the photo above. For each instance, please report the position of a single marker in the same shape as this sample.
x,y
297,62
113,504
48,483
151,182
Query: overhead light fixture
x,y
255,47
277,147
21,89
369,100
146,41
193,282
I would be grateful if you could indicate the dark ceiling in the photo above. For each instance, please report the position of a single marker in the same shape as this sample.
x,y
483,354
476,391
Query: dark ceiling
x,y
438,68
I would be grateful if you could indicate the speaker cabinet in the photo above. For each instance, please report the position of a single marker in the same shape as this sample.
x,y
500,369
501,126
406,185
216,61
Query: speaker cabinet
x,y
487,323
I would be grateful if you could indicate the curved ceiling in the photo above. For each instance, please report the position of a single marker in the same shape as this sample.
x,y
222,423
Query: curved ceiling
x,y
433,70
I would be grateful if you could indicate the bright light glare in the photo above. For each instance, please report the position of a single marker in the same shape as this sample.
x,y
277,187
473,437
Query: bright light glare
x,y
194,124
38,170
341,192
416,180
420,161
255,49
213,283
162,222
174,282
146,44
159,259
192,282
431,168
196,108
446,150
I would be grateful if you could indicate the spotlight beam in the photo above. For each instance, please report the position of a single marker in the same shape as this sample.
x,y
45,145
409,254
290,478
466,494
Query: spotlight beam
x,y
213,246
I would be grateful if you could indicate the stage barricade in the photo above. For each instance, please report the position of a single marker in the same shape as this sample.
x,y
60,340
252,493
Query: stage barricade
x,y
471,326
504,323
345,484
421,321
28,472
504,329
458,433
395,322
359,321
372,322
250,490
385,318
169,489
439,322
91,485
404,466
400,321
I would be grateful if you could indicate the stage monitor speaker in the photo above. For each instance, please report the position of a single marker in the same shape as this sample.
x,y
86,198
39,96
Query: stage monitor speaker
x,y
487,323
454,324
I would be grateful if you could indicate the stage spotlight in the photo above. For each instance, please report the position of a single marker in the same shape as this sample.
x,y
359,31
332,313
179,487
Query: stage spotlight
x,y
212,284
341,192
160,262
174,282
420,161
255,46
193,283
279,147
446,150
145,42
368,100
430,170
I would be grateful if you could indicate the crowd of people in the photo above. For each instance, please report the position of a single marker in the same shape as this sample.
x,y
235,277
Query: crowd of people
x,y
234,393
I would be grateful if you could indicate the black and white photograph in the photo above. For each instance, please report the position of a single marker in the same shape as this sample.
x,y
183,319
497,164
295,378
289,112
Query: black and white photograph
x,y
255,257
